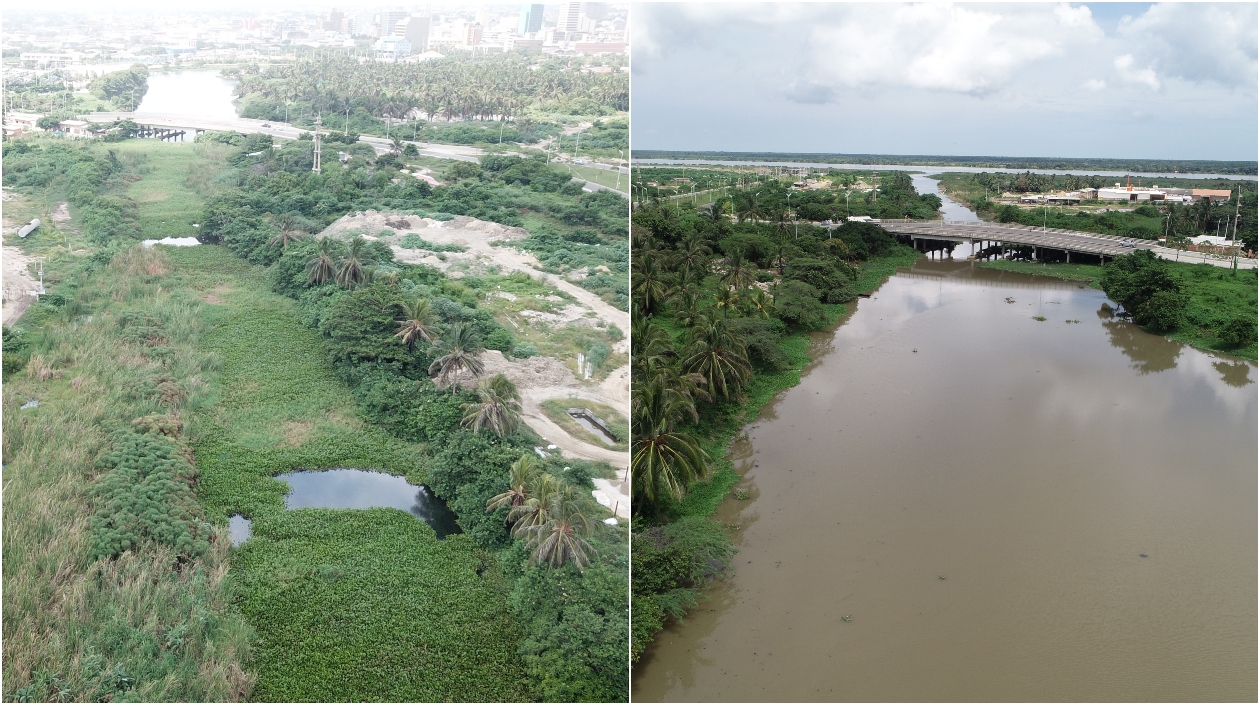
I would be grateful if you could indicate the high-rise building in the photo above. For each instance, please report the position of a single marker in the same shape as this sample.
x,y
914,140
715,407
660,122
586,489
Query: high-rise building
x,y
390,20
472,34
570,17
531,19
363,23
595,10
334,20
416,30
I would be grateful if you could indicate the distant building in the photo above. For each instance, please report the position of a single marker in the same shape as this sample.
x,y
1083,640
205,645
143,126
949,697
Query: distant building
x,y
416,30
20,123
363,24
333,23
529,46
472,34
531,20
1212,195
600,47
1130,194
392,48
38,59
390,20
570,18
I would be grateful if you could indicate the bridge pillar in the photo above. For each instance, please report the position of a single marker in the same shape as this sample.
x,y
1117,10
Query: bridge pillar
x,y
1068,253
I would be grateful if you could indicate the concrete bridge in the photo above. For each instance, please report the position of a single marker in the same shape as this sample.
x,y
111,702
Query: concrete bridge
x,y
196,125
1054,244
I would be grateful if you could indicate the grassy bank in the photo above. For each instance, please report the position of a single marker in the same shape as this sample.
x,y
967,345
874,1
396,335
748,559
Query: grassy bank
x,y
153,623
1216,295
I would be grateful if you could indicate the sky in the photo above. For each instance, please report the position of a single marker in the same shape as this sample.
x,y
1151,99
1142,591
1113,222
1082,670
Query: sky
x,y
1119,80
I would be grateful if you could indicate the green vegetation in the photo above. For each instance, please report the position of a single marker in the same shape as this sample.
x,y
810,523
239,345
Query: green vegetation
x,y
80,623
1208,307
1145,222
710,347
522,92
123,89
213,369
1185,166
761,197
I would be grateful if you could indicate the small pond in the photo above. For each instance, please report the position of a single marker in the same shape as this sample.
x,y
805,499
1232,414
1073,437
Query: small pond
x,y
239,529
347,488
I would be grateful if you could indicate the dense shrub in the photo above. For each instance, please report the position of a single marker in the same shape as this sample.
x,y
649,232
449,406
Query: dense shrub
x,y
798,305
146,494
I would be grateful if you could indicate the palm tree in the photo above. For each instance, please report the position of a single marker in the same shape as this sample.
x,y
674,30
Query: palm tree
x,y
520,476
648,281
716,210
417,323
459,351
693,255
559,540
740,273
758,304
662,457
292,228
499,408
717,355
534,511
323,266
351,271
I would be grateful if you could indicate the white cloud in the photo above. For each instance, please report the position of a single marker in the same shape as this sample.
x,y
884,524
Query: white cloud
x,y
1198,42
972,50
1129,74
1095,85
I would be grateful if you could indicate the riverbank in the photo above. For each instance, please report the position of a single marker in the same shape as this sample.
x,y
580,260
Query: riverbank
x,y
717,430
1216,296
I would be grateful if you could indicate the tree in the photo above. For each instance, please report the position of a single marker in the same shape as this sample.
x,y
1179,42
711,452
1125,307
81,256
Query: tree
x,y
417,323
534,511
520,476
740,273
323,266
352,271
459,351
292,228
718,357
1147,289
648,283
663,458
797,304
560,539
498,407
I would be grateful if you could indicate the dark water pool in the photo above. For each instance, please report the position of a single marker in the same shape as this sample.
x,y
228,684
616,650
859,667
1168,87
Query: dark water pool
x,y
347,488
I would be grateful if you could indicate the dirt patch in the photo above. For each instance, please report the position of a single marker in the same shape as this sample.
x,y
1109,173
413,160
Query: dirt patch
x,y
62,213
18,285
296,432
215,295
526,373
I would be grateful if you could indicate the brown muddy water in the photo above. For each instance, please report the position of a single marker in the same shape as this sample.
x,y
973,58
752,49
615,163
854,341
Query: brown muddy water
x,y
1020,510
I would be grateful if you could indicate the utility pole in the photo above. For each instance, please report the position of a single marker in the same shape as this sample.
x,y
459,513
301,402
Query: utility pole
x,y
319,122
1237,211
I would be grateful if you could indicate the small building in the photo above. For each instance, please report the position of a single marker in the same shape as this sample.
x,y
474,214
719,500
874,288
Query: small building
x,y
392,48
599,47
1130,194
1212,195
74,128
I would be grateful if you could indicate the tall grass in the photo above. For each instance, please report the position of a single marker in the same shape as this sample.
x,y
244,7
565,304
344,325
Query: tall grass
x,y
149,625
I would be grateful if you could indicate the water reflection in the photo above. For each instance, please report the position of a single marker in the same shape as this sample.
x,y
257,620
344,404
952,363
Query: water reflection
x,y
347,488
239,529
1149,353
1235,374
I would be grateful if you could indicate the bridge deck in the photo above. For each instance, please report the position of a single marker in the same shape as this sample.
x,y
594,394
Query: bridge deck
x,y
1053,238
